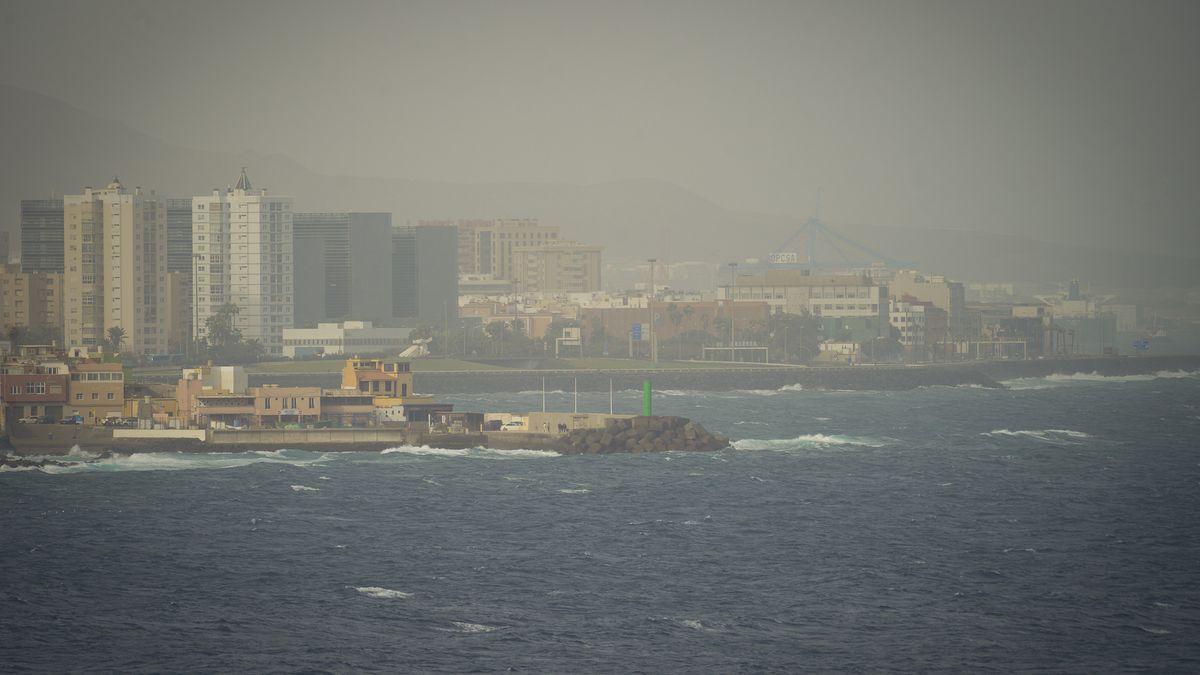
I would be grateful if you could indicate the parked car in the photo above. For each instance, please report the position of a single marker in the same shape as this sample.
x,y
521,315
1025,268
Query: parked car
x,y
514,425
28,420
492,425
47,419
73,419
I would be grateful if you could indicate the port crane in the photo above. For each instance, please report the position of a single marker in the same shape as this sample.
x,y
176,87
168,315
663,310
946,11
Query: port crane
x,y
818,234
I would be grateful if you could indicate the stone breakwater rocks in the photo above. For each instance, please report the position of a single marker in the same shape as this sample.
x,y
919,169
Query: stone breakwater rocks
x,y
642,434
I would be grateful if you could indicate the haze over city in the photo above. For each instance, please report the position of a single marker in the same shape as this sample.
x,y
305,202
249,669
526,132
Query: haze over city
x,y
1066,122
663,336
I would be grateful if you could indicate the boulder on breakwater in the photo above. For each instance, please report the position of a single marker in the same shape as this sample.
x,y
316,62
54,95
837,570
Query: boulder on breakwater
x,y
642,434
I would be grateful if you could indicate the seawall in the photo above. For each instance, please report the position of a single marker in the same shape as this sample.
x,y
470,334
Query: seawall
x,y
862,377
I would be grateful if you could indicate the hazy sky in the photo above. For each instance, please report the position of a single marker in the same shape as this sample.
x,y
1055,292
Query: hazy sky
x,y
1077,119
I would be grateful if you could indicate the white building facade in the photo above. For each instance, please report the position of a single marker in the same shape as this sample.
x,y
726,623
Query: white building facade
x,y
348,337
242,255
909,319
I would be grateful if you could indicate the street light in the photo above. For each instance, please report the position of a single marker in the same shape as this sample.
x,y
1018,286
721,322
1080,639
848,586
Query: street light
x,y
732,282
650,306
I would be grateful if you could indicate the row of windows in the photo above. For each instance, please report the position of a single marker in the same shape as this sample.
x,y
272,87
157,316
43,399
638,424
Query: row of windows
x,y
95,396
97,377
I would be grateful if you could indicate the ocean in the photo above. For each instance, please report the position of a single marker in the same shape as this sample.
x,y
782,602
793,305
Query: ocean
x,y
1049,526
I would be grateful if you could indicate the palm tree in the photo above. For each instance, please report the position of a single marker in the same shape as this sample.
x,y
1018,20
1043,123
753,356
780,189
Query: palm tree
x,y
116,336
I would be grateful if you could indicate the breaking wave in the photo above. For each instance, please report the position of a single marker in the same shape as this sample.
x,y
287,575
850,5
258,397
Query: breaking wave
x,y
477,453
465,627
1044,435
1062,379
807,441
382,593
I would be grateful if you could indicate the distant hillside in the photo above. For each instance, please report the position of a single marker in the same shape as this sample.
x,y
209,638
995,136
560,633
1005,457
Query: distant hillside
x,y
51,147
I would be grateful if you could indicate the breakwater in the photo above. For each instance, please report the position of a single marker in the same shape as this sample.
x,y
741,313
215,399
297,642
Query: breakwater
x,y
632,434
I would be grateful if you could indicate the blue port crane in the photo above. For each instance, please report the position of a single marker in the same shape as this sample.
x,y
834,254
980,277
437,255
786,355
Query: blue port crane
x,y
816,232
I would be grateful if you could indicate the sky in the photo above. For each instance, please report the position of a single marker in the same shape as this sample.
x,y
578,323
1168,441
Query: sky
x,y
1062,119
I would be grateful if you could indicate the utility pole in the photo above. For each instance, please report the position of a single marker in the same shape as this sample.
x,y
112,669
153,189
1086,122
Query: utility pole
x,y
650,306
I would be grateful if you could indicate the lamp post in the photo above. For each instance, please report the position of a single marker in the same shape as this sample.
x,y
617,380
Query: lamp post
x,y
650,306
732,282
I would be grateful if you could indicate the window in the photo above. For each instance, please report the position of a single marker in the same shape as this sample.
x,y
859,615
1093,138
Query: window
x,y
79,396
15,389
95,396
110,396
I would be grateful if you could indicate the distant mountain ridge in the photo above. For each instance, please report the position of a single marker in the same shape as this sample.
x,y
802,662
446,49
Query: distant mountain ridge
x,y
51,147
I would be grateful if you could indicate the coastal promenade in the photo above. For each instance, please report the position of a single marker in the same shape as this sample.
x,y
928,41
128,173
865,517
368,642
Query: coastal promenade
x,y
728,376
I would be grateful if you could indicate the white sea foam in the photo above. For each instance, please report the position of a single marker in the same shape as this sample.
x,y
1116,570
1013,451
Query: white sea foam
x,y
304,488
792,387
466,627
806,441
476,453
382,593
425,450
1044,435
1063,379
574,491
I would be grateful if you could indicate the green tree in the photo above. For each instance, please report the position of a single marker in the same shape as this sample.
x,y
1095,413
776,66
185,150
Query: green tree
x,y
222,333
114,337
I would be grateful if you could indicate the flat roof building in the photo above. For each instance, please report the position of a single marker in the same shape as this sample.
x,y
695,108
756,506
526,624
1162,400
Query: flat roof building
x,y
349,337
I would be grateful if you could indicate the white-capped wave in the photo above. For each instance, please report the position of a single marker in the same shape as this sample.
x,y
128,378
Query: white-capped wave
x,y
806,441
574,491
1045,435
83,462
304,488
466,627
382,593
425,450
478,453
1063,379
792,387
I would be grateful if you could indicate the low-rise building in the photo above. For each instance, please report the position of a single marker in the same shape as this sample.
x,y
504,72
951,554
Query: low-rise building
x,y
96,391
33,388
348,337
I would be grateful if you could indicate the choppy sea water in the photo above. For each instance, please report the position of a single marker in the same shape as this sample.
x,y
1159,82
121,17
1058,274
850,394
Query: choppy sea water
x,y
1050,526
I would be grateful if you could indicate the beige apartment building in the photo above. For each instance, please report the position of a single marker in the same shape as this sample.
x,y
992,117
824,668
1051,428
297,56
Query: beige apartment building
x,y
561,267
490,248
114,268
30,300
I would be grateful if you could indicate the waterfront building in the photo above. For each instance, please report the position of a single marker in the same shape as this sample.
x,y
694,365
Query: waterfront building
x,y
798,292
114,257
948,296
424,280
34,384
96,391
347,337
908,319
272,406
561,267
42,235
378,377
242,254
346,262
